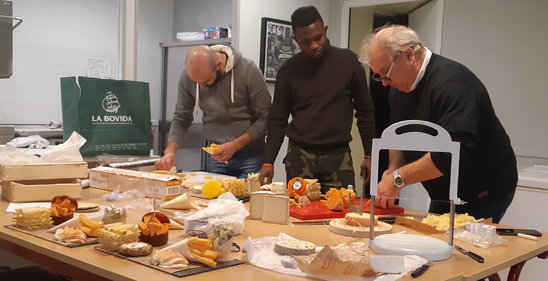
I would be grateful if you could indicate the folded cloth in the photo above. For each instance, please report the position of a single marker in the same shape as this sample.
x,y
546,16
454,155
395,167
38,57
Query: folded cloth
x,y
34,141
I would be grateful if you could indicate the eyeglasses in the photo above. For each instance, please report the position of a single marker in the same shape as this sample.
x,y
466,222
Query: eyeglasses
x,y
386,78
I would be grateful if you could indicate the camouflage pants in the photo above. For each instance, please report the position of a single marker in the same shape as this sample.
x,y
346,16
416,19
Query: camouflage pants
x,y
331,170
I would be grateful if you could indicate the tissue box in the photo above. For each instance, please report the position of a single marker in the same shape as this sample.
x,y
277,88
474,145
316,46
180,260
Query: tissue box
x,y
151,184
40,190
215,32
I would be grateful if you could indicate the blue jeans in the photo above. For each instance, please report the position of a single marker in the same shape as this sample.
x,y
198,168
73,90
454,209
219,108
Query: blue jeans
x,y
242,163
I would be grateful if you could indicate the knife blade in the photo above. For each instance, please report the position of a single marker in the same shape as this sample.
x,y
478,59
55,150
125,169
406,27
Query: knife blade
x,y
420,270
320,222
473,255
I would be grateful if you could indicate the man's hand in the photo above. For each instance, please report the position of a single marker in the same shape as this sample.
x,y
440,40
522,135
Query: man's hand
x,y
170,157
166,162
365,171
225,152
265,174
387,192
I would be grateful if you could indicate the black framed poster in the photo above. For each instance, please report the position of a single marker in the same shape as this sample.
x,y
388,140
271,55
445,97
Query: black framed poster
x,y
277,45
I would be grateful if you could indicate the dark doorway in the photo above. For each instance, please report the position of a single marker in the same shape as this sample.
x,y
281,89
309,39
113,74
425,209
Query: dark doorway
x,y
379,94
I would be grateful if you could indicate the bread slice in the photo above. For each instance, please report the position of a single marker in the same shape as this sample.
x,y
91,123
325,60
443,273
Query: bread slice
x,y
294,247
355,219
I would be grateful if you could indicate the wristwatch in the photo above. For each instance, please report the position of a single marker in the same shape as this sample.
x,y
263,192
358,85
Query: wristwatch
x,y
399,181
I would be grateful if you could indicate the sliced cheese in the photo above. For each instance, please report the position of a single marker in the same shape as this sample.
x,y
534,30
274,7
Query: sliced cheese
x,y
276,209
387,264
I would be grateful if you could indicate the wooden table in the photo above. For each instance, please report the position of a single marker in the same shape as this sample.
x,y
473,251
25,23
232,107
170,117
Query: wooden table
x,y
86,263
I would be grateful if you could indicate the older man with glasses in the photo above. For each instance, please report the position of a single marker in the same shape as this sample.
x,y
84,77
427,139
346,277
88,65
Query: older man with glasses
x,y
427,86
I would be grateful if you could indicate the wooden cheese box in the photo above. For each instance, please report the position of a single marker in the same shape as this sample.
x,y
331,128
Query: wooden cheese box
x,y
44,171
151,184
41,182
40,190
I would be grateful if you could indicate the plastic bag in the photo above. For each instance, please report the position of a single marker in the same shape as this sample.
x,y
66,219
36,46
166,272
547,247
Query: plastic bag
x,y
225,209
477,240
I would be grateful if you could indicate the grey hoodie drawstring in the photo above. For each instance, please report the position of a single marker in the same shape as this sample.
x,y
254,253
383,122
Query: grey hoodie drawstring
x,y
232,86
197,103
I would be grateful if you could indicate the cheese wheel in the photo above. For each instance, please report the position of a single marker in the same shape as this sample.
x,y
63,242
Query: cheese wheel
x,y
294,247
135,249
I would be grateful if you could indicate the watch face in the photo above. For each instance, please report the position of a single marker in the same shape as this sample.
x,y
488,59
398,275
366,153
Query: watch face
x,y
398,181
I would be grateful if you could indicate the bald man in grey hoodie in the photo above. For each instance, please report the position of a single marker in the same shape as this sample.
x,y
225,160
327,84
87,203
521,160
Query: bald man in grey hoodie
x,y
232,94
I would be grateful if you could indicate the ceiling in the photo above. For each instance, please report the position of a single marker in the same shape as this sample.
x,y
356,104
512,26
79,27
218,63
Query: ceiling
x,y
396,8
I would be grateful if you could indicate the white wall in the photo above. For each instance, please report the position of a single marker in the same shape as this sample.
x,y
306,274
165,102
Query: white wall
x,y
503,42
195,15
249,37
55,40
154,25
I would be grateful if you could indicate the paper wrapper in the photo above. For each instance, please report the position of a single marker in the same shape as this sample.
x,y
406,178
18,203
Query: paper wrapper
x,y
327,263
182,247
260,252
69,151
182,202
174,225
226,249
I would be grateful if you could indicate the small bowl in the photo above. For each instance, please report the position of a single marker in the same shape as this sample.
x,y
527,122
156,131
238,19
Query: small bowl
x,y
156,240
61,219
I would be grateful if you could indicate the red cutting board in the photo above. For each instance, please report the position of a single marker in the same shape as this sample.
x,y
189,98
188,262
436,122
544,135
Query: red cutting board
x,y
318,210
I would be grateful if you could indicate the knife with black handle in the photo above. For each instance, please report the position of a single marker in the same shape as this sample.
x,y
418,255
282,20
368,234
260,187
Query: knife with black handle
x,y
473,255
422,269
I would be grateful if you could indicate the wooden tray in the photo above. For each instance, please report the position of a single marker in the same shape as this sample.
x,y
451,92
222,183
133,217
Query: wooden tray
x,y
193,267
40,190
43,234
338,226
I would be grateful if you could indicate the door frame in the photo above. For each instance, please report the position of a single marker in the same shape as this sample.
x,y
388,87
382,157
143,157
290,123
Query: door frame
x,y
348,4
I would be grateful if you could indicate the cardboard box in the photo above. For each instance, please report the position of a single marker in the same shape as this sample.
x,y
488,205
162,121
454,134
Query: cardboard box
x,y
40,190
6,138
151,184
45,171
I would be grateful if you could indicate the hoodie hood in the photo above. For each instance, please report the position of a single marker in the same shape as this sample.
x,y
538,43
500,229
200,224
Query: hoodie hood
x,y
233,55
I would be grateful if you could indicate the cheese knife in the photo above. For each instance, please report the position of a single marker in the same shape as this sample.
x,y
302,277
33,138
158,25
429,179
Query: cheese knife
x,y
320,222
422,269
473,255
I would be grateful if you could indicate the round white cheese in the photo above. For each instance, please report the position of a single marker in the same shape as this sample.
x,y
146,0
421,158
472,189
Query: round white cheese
x,y
294,247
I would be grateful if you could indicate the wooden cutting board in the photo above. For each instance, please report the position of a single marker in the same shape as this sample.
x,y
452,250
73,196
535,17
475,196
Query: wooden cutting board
x,y
338,226
318,210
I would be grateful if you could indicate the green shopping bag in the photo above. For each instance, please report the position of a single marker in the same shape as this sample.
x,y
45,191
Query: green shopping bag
x,y
113,115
